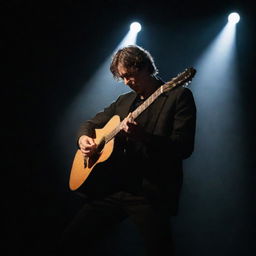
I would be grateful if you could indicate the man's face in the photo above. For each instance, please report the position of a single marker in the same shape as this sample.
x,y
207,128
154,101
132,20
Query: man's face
x,y
135,80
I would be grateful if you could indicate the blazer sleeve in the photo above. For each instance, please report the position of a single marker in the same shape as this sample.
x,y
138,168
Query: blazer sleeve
x,y
98,121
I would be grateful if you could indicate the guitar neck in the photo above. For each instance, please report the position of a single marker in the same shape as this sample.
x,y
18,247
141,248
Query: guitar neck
x,y
137,111
147,102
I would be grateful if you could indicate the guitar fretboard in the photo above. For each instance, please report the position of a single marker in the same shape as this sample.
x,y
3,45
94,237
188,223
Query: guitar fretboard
x,y
147,102
137,111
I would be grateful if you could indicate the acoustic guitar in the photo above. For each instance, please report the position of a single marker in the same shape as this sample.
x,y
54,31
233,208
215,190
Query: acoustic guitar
x,y
83,166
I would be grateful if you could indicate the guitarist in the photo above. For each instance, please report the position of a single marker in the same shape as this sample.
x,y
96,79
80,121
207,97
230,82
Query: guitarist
x,y
144,172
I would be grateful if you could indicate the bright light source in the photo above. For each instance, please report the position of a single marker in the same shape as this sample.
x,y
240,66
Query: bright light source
x,y
135,27
233,18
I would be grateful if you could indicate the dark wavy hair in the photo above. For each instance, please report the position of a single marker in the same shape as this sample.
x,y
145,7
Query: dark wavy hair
x,y
134,58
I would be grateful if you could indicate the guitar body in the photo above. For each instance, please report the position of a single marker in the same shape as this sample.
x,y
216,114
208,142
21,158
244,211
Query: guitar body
x,y
82,167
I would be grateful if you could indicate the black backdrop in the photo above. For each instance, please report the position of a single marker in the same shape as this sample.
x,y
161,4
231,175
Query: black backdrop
x,y
49,50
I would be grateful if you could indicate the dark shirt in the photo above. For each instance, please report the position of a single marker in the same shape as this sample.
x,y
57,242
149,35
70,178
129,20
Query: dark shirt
x,y
128,158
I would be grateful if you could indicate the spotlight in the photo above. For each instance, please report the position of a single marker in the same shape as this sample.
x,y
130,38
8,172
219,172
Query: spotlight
x,y
233,18
135,27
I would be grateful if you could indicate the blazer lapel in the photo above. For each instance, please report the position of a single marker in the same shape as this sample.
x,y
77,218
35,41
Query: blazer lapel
x,y
156,108
124,109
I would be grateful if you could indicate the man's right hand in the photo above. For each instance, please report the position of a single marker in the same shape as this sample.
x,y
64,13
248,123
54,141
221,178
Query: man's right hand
x,y
87,145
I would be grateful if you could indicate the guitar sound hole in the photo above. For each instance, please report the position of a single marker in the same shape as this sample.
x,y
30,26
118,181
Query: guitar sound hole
x,y
100,146
85,163
93,159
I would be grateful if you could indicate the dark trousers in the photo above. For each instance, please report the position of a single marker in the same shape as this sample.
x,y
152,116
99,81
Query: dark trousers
x,y
96,219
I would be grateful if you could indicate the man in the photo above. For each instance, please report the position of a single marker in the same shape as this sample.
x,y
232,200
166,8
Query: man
x,y
143,176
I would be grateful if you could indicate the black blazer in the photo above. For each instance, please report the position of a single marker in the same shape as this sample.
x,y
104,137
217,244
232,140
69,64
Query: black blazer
x,y
156,162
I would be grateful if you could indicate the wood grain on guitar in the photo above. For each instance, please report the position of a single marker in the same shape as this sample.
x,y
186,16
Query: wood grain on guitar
x,y
82,167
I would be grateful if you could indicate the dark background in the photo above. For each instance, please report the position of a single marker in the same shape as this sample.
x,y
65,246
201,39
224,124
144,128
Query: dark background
x,y
49,51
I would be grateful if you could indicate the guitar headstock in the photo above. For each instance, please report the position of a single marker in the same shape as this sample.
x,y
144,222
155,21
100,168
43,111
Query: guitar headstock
x,y
182,78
